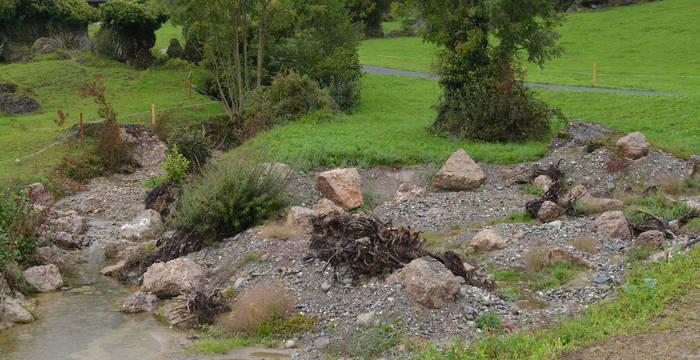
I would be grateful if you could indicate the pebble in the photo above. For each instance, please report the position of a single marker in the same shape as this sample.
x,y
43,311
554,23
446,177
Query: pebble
x,y
366,320
326,285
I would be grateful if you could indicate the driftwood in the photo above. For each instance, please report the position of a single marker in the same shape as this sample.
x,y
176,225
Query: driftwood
x,y
362,244
196,308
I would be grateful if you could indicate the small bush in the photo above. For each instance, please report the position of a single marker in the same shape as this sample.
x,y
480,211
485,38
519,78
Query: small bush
x,y
256,307
508,294
556,274
193,144
230,197
658,205
489,322
370,343
177,64
280,230
176,166
18,223
585,243
82,168
294,95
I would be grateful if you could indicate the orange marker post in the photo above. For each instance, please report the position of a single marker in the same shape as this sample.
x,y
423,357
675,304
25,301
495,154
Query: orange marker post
x,y
153,114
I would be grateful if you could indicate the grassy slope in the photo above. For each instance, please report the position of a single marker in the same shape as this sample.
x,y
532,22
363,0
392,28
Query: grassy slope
x,y
56,85
656,38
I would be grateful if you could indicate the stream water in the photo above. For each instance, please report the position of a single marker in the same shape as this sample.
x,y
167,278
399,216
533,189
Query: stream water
x,y
83,320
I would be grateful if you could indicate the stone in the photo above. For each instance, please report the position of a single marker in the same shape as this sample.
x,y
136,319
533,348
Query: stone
x,y
408,192
428,282
693,205
459,173
113,269
65,240
556,255
147,226
342,186
486,240
549,211
554,225
326,208
4,287
69,222
592,204
634,145
290,344
38,195
366,320
326,286
140,301
602,279
662,256
613,224
302,218
652,239
543,183
50,255
44,278
45,45
173,278
15,312
14,104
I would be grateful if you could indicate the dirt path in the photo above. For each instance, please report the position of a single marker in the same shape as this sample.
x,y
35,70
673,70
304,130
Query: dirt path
x,y
387,71
674,335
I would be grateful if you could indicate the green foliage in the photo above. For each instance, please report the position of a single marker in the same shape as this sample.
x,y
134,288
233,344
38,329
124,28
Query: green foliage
x,y
507,276
131,17
508,294
175,50
369,13
371,343
230,197
68,12
533,190
484,94
659,205
18,222
554,275
489,322
293,95
176,165
193,144
81,168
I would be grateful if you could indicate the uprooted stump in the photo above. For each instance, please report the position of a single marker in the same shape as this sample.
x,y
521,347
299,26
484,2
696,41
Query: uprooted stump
x,y
161,198
196,308
362,244
182,243
652,222
557,177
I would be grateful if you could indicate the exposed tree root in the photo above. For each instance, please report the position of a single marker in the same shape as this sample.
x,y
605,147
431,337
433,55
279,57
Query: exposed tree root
x,y
362,244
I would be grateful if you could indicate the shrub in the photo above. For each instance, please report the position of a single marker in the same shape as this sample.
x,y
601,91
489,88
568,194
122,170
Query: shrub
x,y
293,95
176,165
230,197
489,321
81,168
491,106
175,50
128,30
257,306
18,222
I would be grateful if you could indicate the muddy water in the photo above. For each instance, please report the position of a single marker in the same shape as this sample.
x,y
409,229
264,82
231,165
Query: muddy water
x,y
83,321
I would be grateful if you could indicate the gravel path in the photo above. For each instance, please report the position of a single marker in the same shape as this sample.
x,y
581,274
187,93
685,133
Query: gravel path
x,y
387,71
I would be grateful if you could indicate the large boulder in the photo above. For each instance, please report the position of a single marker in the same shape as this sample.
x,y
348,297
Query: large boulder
x,y
613,224
428,282
486,240
147,226
459,173
326,208
46,45
139,302
652,239
44,278
15,312
302,218
549,211
634,145
50,255
173,278
342,186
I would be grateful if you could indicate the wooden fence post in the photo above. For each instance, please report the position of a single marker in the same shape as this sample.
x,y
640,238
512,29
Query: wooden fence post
x,y
153,114
81,130
595,75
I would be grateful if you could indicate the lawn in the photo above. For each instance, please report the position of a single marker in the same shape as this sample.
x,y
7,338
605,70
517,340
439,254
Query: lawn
x,y
650,46
389,127
56,86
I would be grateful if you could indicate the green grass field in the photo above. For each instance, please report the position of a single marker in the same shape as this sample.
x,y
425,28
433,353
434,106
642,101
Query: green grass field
x,y
642,47
56,85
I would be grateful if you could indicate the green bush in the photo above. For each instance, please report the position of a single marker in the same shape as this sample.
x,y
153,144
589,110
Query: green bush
x,y
176,165
489,321
18,222
193,144
293,95
230,197
175,50
82,168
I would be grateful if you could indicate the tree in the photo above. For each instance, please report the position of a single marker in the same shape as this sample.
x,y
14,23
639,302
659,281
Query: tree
x,y
484,96
370,14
